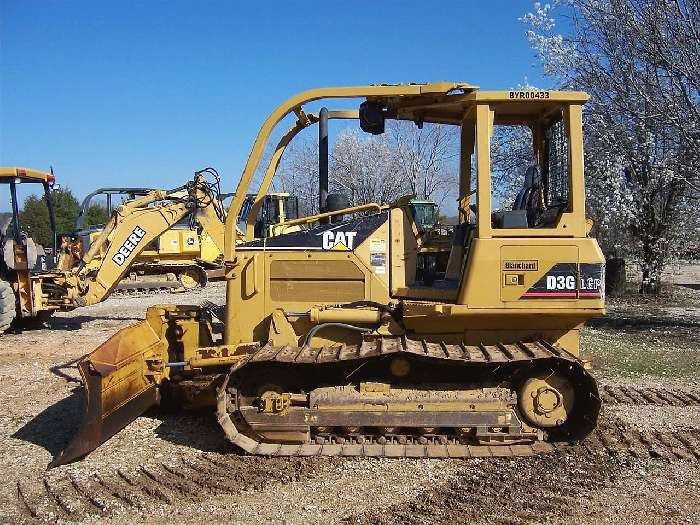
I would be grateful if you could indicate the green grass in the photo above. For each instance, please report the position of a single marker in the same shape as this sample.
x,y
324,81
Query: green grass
x,y
616,352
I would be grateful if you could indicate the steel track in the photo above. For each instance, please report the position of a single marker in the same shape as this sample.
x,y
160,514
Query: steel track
x,y
489,358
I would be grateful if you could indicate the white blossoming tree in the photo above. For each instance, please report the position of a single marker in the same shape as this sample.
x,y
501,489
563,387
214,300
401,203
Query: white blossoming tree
x,y
639,60
405,160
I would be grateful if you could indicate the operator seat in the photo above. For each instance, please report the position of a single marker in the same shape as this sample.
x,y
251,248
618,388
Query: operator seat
x,y
530,189
525,209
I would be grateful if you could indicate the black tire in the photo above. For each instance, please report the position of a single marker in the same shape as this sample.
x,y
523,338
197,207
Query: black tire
x,y
8,306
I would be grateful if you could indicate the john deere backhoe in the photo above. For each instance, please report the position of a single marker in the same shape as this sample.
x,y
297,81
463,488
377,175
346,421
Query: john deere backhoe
x,y
183,257
31,292
332,346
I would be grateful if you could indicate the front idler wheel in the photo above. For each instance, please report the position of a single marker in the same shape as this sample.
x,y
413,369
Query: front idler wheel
x,y
192,278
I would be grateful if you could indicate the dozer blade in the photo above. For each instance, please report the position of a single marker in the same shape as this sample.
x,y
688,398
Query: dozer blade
x,y
121,382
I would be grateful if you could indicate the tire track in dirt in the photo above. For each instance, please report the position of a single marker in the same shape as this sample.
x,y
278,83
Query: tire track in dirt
x,y
613,438
70,498
627,395
541,488
503,491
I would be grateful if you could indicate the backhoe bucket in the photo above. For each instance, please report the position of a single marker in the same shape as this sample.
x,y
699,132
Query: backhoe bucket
x,y
121,380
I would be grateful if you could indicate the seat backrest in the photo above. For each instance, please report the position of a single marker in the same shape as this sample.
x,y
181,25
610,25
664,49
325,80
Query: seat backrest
x,y
530,186
461,241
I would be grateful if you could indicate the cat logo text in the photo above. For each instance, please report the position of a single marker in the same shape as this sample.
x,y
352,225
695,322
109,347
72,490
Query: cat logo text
x,y
338,240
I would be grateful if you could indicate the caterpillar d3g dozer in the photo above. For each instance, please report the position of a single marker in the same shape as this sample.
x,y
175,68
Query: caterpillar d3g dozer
x,y
331,346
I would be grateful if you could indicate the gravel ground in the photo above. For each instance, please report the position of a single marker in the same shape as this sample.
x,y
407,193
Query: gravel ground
x,y
178,467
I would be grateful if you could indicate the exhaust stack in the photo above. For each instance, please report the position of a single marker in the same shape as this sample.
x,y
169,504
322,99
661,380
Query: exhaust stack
x,y
323,161
327,201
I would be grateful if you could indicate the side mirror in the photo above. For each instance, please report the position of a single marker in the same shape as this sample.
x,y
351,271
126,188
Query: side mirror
x,y
372,118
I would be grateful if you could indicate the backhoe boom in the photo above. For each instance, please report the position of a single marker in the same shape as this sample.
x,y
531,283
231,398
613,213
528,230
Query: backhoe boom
x,y
132,228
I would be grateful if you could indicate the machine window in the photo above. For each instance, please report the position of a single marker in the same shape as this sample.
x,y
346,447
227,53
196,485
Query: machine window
x,y
530,176
512,154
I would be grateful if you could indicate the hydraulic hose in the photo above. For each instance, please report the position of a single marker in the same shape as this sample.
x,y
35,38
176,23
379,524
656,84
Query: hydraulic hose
x,y
315,329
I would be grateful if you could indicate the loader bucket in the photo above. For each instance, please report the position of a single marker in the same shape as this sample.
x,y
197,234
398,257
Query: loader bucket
x,y
121,380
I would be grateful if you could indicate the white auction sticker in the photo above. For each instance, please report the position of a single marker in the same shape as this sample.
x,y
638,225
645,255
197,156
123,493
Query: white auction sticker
x,y
377,245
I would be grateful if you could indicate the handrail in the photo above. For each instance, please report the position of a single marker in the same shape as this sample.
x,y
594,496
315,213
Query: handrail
x,y
296,102
328,214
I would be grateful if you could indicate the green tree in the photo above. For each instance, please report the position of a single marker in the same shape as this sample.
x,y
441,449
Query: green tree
x,y
34,217
96,215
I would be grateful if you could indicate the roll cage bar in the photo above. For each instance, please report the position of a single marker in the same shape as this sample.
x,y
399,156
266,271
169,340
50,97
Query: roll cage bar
x,y
439,103
108,192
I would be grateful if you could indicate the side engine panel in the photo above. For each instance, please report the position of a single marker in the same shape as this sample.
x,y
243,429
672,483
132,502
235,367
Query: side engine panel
x,y
333,263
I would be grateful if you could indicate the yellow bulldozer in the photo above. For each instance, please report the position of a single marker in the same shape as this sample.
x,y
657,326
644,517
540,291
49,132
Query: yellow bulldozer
x,y
332,346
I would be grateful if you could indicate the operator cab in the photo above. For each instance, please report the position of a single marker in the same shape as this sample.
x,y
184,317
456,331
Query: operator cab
x,y
23,249
517,177
276,208
425,213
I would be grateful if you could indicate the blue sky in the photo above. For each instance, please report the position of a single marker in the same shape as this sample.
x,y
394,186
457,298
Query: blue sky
x,y
145,93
